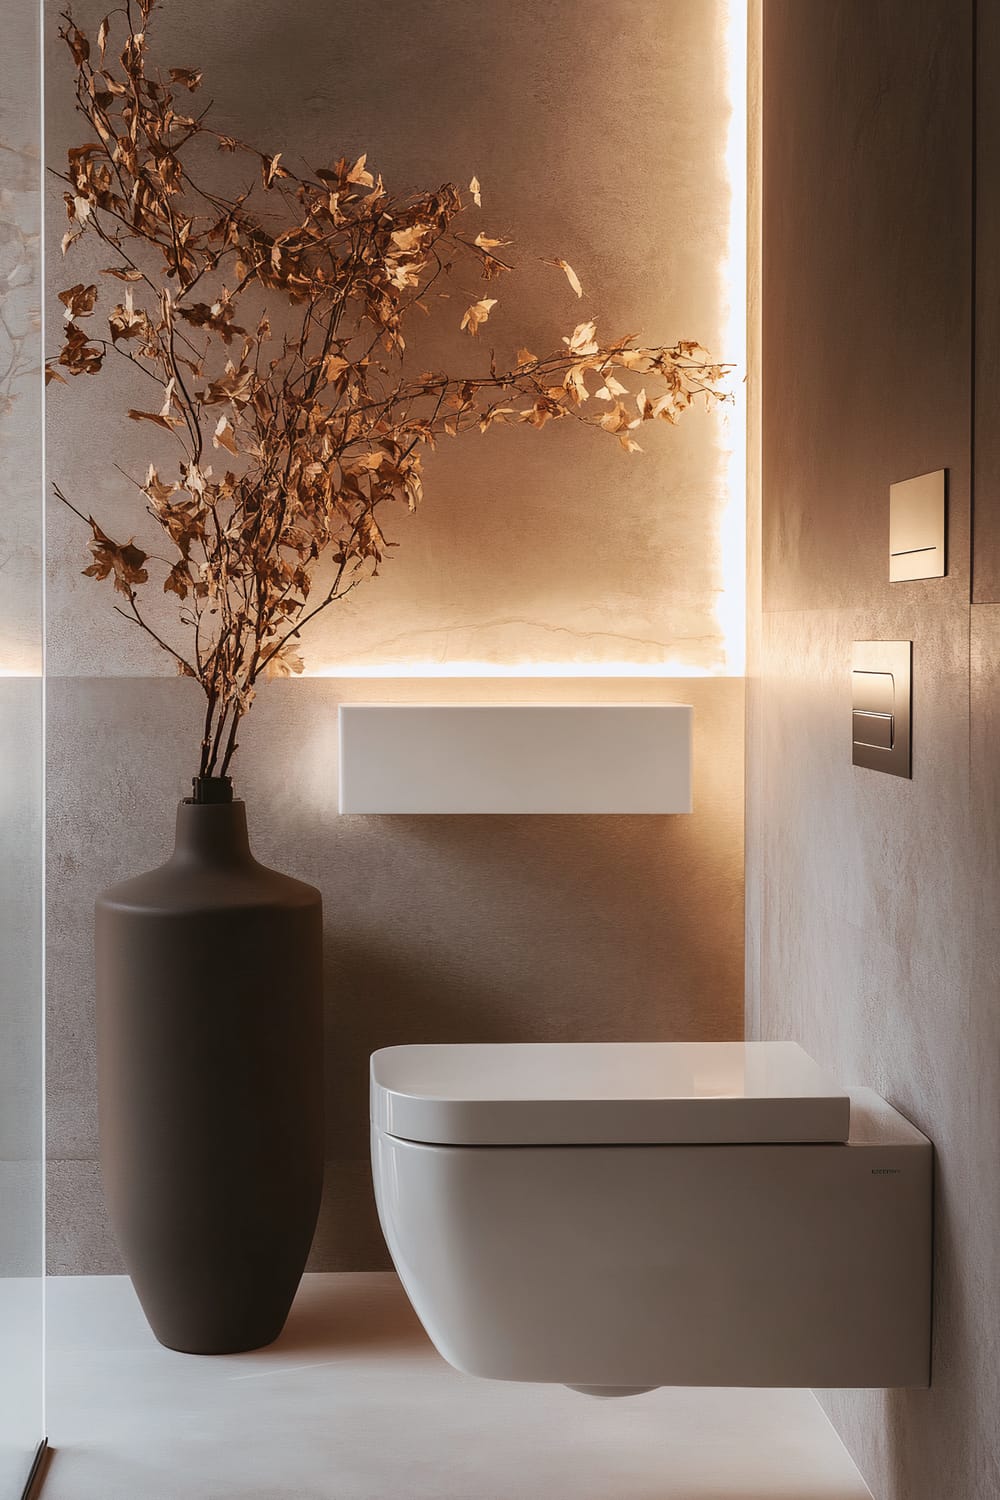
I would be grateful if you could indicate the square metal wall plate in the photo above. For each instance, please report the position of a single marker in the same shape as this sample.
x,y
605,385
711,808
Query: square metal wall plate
x,y
917,527
880,706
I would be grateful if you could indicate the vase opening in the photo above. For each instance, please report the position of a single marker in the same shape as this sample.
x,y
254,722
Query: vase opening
x,y
211,789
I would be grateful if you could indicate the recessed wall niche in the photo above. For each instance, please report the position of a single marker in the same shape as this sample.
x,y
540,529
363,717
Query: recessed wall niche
x,y
627,159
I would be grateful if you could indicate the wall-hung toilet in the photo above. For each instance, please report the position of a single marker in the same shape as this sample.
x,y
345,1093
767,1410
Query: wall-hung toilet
x,y
617,1216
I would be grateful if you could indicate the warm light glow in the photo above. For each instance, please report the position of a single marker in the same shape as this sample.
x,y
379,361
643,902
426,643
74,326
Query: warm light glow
x,y
527,669
731,607
731,436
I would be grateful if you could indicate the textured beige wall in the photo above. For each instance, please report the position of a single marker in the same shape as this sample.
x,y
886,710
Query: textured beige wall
x,y
437,929
600,134
877,919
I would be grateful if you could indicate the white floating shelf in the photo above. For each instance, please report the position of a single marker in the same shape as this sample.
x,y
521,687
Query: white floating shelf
x,y
523,758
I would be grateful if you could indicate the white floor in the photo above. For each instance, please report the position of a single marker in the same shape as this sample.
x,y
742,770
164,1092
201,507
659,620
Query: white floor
x,y
352,1403
21,1333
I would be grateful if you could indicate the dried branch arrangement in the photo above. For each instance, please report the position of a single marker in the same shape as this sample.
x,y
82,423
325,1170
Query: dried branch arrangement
x,y
269,328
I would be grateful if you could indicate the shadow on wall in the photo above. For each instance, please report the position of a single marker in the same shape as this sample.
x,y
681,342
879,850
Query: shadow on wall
x,y
377,999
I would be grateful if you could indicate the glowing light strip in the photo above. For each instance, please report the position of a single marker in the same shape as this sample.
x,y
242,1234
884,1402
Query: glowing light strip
x,y
528,669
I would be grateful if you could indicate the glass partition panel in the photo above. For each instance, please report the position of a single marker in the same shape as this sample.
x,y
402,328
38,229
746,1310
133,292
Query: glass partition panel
x,y
21,717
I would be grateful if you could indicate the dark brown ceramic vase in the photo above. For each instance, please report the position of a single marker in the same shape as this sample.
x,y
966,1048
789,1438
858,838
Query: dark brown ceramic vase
x,y
209,1011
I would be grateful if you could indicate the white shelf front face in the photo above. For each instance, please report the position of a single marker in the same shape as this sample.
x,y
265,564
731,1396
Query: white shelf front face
x,y
498,758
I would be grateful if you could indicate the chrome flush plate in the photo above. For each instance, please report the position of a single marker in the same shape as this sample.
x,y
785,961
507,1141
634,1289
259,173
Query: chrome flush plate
x,y
880,706
917,527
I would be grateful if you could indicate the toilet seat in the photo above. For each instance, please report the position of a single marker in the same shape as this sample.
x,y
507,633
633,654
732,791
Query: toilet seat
x,y
606,1093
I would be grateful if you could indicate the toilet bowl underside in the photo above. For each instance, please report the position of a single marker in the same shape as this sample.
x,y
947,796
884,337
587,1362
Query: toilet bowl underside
x,y
638,1266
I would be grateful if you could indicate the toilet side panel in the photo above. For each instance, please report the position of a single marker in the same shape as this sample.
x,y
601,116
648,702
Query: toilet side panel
x,y
790,1265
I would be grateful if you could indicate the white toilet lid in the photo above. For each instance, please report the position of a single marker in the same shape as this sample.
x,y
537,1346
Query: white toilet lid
x,y
610,1093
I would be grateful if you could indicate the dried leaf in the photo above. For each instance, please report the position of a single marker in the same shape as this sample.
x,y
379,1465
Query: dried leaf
x,y
358,175
123,561
286,662
409,239
582,341
78,300
78,44
158,492
158,417
78,355
477,314
571,275
477,192
189,77
269,169
610,389
178,580
125,323
334,366
223,436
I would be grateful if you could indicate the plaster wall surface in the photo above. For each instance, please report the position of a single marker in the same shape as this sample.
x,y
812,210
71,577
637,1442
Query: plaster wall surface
x,y
876,921
600,139
603,141
438,929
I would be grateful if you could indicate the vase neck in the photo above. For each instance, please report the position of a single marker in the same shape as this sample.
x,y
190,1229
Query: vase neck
x,y
212,833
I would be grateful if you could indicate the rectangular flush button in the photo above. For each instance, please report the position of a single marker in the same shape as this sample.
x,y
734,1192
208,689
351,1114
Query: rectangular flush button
x,y
917,527
873,729
880,706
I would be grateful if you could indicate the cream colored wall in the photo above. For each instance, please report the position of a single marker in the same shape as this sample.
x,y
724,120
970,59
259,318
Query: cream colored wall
x,y
599,133
874,915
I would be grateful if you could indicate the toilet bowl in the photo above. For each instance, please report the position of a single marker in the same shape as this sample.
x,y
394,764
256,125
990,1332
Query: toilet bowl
x,y
619,1216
